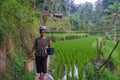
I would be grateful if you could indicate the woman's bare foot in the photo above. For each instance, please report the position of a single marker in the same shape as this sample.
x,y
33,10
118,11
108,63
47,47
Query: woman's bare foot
x,y
43,77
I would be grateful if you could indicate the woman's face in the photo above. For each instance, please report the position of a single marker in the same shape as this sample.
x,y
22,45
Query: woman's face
x,y
42,32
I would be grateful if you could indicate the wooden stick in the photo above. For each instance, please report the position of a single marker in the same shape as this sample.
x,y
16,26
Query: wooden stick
x,y
109,55
97,48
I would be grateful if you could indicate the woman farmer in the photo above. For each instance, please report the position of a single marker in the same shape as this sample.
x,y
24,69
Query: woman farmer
x,y
40,45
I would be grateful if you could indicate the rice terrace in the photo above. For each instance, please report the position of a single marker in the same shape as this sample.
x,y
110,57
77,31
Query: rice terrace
x,y
80,53
83,39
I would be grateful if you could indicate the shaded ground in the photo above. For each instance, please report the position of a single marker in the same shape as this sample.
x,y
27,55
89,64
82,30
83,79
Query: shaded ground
x,y
48,77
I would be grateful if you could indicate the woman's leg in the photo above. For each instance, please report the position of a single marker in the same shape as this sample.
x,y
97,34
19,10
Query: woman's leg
x,y
44,76
48,61
41,75
44,63
38,66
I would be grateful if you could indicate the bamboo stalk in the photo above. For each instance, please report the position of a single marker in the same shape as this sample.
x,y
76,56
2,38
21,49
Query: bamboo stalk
x,y
109,55
97,48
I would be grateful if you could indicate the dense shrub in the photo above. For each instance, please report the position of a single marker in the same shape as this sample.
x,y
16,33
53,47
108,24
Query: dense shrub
x,y
17,29
66,37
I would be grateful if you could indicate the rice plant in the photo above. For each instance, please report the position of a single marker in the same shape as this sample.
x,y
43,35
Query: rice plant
x,y
78,52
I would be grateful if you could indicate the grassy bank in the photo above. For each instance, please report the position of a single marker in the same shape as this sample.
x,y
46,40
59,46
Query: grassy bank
x,y
17,32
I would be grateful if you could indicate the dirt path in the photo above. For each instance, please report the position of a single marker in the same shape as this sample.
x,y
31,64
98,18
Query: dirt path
x,y
48,77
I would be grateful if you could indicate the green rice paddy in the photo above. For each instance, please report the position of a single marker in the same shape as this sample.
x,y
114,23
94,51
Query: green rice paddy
x,y
78,52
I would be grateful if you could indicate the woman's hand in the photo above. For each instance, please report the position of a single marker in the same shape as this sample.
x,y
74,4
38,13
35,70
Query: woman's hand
x,y
30,56
31,53
49,43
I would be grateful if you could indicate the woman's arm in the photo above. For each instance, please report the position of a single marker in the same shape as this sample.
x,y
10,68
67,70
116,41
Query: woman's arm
x,y
33,48
31,53
49,43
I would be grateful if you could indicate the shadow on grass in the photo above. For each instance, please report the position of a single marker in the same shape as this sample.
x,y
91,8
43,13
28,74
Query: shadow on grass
x,y
28,76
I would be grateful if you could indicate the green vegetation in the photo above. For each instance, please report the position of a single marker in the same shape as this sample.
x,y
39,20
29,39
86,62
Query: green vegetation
x,y
80,52
93,74
57,23
60,36
28,76
19,22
